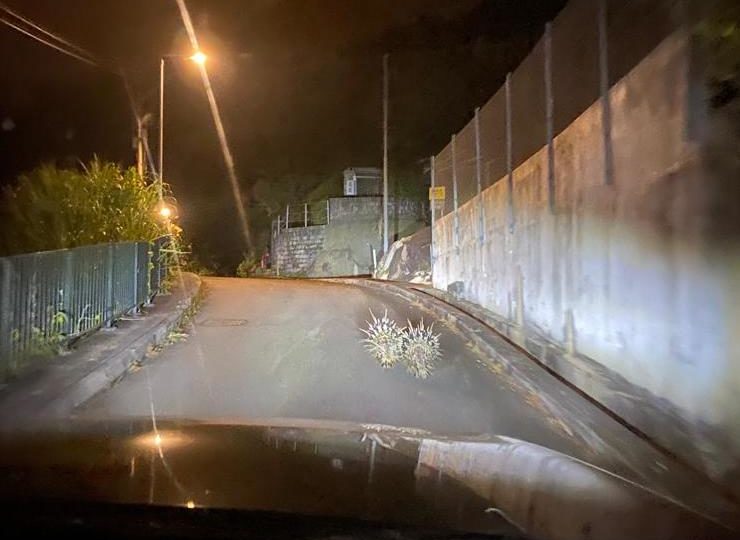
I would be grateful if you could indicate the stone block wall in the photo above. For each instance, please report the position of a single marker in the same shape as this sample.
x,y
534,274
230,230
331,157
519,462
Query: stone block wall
x,y
294,250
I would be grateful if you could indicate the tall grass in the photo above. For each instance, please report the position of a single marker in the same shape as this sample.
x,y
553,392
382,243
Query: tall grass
x,y
53,208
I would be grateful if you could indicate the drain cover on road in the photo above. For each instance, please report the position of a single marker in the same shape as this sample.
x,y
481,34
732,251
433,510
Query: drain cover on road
x,y
223,322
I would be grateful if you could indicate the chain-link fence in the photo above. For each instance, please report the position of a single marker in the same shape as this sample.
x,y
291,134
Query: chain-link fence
x,y
590,46
50,297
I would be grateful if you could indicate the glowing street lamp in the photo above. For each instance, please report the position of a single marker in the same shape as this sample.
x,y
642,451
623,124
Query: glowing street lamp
x,y
167,209
199,58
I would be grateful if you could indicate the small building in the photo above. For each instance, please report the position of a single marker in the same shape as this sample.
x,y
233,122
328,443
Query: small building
x,y
342,236
363,181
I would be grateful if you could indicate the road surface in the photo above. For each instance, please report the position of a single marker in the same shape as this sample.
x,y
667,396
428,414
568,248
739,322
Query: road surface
x,y
262,348
266,348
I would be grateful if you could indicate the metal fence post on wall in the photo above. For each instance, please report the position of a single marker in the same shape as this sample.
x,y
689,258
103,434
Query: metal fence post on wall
x,y
305,214
287,216
432,252
454,194
549,119
481,209
606,108
328,214
509,154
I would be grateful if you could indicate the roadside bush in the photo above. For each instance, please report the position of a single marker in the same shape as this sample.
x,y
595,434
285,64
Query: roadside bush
x,y
54,208
248,265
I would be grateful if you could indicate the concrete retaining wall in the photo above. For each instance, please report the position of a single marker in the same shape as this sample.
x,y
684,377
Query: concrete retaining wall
x,y
294,250
350,208
620,276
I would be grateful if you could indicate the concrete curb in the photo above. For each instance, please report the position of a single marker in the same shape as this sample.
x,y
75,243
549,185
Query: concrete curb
x,y
121,360
55,392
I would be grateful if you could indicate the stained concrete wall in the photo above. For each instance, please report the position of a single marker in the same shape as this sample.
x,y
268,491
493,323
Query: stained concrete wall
x,y
625,293
351,208
294,250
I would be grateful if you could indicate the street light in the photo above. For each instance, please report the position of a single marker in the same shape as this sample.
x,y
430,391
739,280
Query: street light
x,y
167,209
199,58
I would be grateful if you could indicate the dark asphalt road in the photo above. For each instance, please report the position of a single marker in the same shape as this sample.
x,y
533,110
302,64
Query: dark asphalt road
x,y
292,348
261,349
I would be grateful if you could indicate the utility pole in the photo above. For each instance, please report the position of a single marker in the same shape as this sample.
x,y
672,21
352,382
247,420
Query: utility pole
x,y
142,134
161,127
385,154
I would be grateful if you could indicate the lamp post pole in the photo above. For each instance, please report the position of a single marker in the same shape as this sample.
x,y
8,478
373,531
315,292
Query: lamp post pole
x,y
161,128
199,58
385,154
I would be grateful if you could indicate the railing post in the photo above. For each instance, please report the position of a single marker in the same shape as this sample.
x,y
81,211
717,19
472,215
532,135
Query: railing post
x,y
69,288
278,225
151,267
162,267
287,216
109,293
6,347
305,214
328,213
136,277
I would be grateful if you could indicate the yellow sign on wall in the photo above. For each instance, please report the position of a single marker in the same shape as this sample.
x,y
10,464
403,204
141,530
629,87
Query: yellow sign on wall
x,y
437,193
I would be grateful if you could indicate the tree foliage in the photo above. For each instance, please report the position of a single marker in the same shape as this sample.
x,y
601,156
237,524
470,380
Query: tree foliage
x,y
720,33
55,208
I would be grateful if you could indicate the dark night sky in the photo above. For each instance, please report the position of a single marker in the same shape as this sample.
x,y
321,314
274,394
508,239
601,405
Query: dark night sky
x,y
298,83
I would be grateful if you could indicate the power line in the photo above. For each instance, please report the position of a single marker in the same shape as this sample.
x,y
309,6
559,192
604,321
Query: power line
x,y
49,44
57,37
62,45
68,48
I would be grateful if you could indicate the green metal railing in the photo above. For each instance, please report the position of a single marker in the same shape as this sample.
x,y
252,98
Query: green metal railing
x,y
51,297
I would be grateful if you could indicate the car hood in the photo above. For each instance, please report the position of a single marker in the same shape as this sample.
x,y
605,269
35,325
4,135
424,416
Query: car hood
x,y
478,484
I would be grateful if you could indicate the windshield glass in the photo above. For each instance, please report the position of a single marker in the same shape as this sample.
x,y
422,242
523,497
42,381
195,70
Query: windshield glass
x,y
462,266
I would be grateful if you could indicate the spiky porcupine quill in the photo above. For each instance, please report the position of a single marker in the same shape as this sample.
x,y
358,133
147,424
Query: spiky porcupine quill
x,y
421,350
385,340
